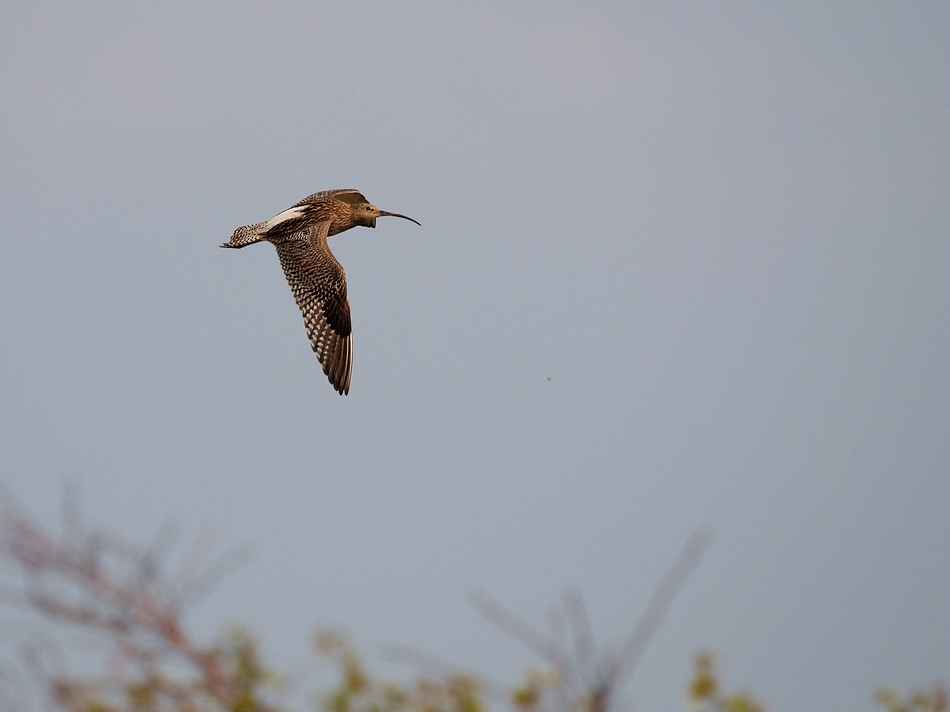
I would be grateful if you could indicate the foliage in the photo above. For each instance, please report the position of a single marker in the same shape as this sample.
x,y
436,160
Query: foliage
x,y
934,701
358,691
154,689
122,595
704,691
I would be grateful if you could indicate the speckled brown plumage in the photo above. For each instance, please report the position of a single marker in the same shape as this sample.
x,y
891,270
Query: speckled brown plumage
x,y
317,280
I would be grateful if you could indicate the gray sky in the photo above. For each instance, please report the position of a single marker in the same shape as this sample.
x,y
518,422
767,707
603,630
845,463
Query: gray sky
x,y
680,265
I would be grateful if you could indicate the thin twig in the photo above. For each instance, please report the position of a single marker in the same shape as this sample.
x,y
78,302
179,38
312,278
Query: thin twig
x,y
656,612
599,677
544,647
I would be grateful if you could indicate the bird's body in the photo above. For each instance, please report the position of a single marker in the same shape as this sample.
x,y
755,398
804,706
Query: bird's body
x,y
317,280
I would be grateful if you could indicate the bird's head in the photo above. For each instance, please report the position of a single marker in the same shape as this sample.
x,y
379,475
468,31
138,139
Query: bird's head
x,y
365,214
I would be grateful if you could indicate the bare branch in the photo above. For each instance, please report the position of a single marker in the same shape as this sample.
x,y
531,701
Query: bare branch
x,y
589,681
585,648
669,587
103,584
544,647
211,574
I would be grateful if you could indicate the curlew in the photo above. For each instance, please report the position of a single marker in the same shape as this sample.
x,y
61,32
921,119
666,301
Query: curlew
x,y
316,279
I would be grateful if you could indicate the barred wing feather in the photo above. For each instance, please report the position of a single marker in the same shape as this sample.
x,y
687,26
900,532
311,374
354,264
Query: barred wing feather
x,y
318,283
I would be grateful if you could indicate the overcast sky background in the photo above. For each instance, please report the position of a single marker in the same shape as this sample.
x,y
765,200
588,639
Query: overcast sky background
x,y
682,264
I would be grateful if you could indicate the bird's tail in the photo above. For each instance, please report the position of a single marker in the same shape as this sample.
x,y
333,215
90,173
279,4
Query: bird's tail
x,y
247,235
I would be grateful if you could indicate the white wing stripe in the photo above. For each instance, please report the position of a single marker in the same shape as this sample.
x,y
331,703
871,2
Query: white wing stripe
x,y
288,214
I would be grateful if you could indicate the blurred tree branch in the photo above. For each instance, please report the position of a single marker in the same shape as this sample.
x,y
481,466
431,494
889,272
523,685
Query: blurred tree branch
x,y
583,678
121,593
936,700
103,584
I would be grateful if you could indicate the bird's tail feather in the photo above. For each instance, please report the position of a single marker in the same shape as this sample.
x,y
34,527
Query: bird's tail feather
x,y
247,235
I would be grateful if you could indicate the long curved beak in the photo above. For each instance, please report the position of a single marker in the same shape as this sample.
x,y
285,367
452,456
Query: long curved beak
x,y
397,215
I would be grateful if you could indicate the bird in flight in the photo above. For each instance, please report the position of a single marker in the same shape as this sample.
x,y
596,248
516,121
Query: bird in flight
x,y
316,279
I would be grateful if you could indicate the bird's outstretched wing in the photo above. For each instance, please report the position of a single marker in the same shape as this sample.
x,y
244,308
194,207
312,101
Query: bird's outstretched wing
x,y
346,195
318,283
